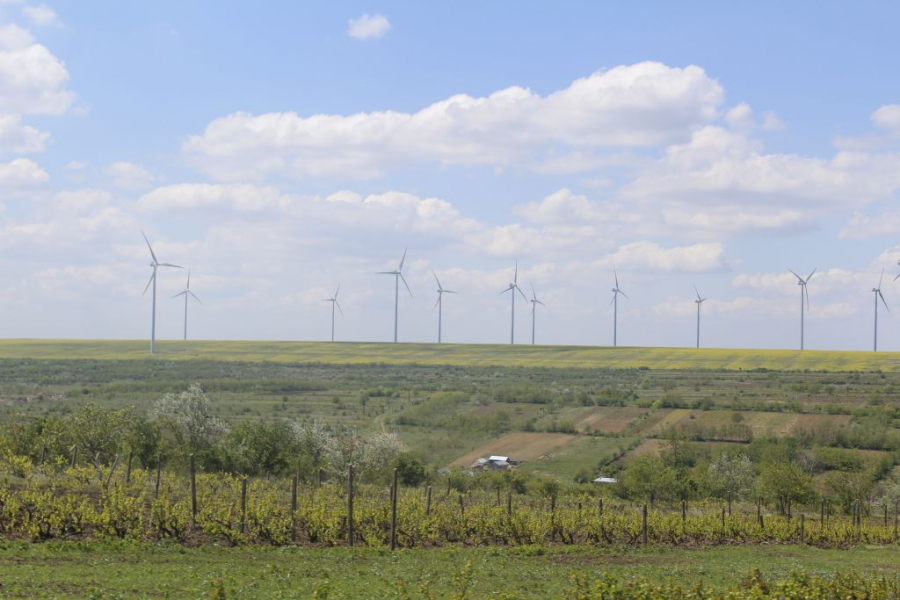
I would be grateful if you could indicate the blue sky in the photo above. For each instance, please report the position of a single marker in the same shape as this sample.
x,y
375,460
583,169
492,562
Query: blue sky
x,y
279,151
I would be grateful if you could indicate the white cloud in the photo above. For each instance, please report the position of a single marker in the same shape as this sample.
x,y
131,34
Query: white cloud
x,y
719,168
888,117
128,175
22,173
18,138
368,27
771,121
32,80
240,197
42,16
641,105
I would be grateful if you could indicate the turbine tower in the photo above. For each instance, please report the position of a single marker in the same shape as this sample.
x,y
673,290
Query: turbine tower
x,y
334,303
615,304
154,264
534,302
878,295
698,302
513,288
804,300
187,292
398,276
440,303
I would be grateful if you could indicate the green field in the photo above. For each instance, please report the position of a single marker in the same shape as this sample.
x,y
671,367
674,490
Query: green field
x,y
129,570
460,355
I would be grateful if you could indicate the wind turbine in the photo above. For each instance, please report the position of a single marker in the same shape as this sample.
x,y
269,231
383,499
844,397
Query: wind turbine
x,y
334,303
698,302
878,295
440,303
804,298
513,288
615,302
398,275
154,264
534,302
187,292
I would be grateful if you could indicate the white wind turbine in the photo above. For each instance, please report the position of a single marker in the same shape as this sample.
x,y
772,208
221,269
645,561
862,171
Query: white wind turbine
x,y
698,302
534,302
187,292
440,303
334,303
615,303
804,300
513,288
398,275
878,295
155,264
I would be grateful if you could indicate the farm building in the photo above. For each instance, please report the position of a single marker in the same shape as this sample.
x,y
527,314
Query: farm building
x,y
606,480
495,463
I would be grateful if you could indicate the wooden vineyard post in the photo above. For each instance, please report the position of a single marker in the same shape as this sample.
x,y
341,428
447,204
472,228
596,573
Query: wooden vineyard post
x,y
428,501
759,512
462,506
509,503
112,469
294,483
802,528
448,486
553,518
128,467
896,518
74,455
723,517
498,495
319,476
644,525
684,511
350,505
43,453
885,514
158,472
822,515
243,504
193,489
600,508
394,493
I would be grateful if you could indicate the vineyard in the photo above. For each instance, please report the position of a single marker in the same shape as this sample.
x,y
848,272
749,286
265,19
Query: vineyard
x,y
99,503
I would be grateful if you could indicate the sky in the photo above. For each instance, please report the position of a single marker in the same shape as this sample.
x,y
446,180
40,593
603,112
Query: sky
x,y
280,150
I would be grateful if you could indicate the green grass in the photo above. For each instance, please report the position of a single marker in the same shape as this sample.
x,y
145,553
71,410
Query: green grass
x,y
126,570
584,453
460,354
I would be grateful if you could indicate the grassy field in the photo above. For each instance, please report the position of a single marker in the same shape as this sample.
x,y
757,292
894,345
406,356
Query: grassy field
x,y
460,354
128,570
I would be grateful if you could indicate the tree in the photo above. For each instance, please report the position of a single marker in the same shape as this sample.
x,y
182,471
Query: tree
x,y
97,431
730,476
647,476
190,416
784,482
257,447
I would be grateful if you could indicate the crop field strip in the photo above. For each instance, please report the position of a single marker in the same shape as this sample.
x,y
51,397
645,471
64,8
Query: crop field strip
x,y
461,355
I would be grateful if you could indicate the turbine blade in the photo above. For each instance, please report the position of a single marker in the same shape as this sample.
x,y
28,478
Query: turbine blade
x,y
883,301
403,260
698,294
880,279
195,296
385,272
189,280
448,292
806,295
438,280
338,304
616,275
624,294
539,302
516,273
533,294
438,301
337,291
149,282
795,275
170,265
613,300
179,294
149,246
522,293
897,277
406,284
811,274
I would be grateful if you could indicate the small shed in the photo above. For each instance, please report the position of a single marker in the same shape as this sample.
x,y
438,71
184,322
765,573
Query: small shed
x,y
606,480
